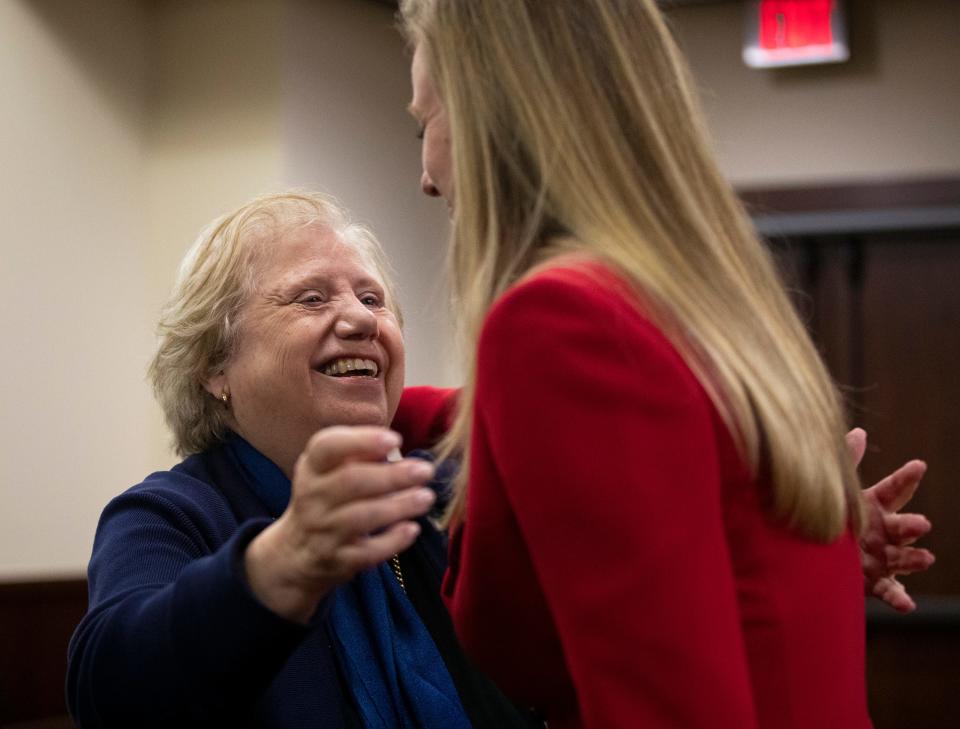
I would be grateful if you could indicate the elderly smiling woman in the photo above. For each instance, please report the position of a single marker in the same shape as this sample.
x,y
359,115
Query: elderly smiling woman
x,y
257,583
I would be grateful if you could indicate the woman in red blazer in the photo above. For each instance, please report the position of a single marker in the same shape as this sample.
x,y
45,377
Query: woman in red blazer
x,y
657,521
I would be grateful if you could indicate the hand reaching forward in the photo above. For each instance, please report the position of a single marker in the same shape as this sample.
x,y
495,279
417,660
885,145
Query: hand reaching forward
x,y
349,510
885,544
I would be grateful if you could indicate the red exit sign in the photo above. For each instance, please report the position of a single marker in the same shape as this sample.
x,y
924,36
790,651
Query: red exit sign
x,y
795,32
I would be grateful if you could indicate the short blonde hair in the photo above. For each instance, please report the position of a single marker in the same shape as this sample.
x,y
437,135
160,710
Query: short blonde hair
x,y
200,322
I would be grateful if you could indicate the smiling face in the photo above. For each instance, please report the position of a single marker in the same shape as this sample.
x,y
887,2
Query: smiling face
x,y
430,113
317,346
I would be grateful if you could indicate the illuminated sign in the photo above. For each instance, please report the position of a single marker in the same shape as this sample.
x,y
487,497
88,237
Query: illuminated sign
x,y
795,33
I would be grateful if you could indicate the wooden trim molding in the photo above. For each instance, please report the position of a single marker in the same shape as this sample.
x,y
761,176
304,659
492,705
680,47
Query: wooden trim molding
x,y
19,591
855,208
919,193
934,612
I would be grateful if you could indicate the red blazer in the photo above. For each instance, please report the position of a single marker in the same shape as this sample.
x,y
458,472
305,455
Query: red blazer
x,y
617,566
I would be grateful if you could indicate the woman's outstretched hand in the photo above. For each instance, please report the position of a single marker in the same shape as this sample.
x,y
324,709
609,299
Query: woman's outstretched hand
x,y
886,542
349,510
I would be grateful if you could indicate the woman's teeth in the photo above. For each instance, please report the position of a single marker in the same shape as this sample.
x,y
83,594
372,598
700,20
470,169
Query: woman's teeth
x,y
346,366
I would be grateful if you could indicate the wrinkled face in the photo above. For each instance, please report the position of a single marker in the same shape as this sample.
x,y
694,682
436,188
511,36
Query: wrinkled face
x,y
316,347
427,108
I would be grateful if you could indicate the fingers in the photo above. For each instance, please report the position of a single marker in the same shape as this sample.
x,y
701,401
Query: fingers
x,y
903,529
370,551
350,508
857,444
358,481
894,594
906,560
344,464
356,499
356,519
894,491
332,447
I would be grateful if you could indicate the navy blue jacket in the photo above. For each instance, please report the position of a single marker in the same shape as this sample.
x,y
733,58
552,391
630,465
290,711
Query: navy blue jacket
x,y
174,637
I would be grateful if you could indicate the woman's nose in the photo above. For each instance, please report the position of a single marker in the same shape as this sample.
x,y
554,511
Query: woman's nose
x,y
356,321
426,184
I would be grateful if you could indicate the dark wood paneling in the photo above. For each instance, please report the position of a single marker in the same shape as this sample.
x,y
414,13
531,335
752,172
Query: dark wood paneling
x,y
36,622
823,276
912,677
884,309
911,380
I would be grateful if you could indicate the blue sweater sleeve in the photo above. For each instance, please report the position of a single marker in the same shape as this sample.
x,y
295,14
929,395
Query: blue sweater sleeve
x,y
173,635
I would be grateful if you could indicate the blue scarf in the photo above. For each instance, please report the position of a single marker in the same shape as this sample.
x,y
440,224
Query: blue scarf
x,y
393,668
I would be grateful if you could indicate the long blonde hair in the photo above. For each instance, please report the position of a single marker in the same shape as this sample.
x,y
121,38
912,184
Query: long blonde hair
x,y
575,128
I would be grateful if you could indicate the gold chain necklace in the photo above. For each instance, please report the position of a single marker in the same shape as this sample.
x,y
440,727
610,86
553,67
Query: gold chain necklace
x,y
395,566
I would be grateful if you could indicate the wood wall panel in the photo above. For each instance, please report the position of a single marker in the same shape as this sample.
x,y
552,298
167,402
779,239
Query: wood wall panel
x,y
911,381
883,306
36,622
913,678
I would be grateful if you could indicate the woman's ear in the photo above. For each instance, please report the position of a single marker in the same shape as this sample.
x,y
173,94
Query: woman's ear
x,y
217,385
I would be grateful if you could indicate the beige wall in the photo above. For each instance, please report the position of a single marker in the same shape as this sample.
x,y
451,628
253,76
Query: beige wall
x,y
347,132
892,111
74,412
214,129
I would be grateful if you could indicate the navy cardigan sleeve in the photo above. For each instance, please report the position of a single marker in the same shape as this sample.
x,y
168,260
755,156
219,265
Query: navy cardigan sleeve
x,y
173,636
